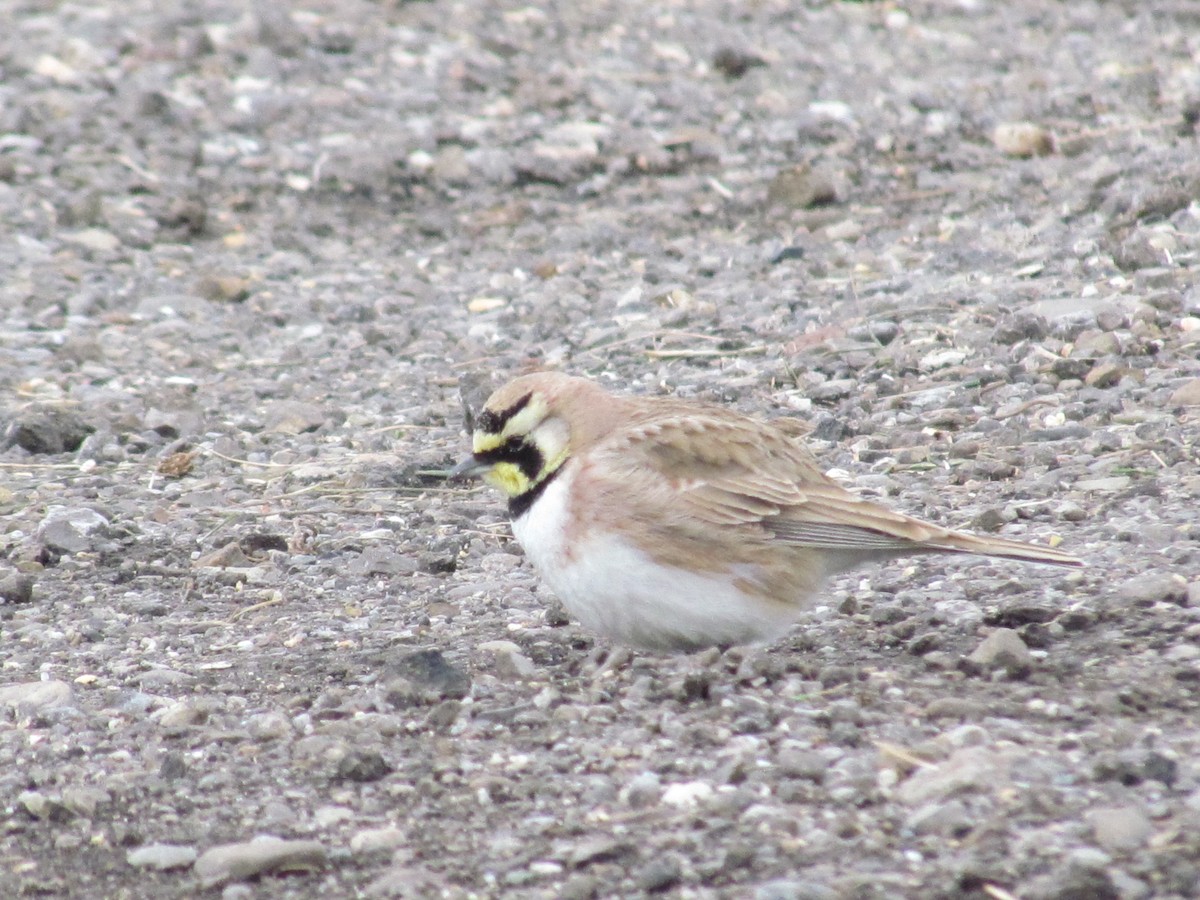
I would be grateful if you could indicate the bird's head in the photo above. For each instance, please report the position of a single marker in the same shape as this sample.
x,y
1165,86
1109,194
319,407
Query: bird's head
x,y
522,435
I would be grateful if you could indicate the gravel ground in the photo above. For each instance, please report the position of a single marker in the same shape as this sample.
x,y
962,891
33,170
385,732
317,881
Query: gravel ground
x,y
255,263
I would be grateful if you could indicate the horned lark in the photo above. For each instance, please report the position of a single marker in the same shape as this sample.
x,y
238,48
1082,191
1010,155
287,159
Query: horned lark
x,y
672,526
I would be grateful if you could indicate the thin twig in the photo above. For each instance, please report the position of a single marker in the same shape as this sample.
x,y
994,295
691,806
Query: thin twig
x,y
245,611
901,754
138,169
720,189
249,462
33,465
938,385
630,339
1025,407
698,353
401,425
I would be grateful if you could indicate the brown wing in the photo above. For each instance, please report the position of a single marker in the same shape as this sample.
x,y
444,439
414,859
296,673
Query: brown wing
x,y
725,470
721,469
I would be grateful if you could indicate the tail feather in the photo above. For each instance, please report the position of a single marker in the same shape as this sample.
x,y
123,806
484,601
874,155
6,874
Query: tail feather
x,y
833,520
958,542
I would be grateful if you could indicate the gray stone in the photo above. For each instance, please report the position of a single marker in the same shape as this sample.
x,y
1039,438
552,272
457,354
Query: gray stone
x,y
969,770
599,850
580,886
1120,829
44,806
362,764
162,856
269,726
378,560
237,862
799,763
1128,887
1071,880
643,790
187,713
16,587
372,840
96,240
510,662
955,708
48,428
660,874
949,819
1187,394
1147,590
424,676
403,882
1003,649
72,530
84,800
293,417
34,695
788,889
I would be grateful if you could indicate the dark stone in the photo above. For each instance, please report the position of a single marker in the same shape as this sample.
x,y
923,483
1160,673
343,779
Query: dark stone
x,y
736,63
16,588
262,541
424,676
660,875
47,429
362,766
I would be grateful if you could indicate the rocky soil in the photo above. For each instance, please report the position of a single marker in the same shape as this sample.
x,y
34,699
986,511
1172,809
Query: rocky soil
x,y
257,258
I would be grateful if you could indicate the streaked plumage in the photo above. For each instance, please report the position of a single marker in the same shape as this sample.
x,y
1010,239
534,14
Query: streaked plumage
x,y
673,526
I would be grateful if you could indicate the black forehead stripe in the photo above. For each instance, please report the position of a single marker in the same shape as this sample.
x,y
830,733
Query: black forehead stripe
x,y
488,422
524,456
492,421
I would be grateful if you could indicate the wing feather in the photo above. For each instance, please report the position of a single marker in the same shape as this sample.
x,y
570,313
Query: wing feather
x,y
677,475
725,470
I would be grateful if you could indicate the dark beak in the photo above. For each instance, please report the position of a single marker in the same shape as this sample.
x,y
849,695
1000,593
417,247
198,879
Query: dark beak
x,y
468,467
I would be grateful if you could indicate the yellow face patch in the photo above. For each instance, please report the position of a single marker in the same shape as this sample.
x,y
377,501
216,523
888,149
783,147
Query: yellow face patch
x,y
526,448
509,478
483,441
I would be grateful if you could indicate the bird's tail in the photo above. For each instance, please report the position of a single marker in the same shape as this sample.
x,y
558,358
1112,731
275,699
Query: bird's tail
x,y
959,542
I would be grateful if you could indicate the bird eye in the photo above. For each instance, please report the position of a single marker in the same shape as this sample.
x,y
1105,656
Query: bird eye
x,y
516,450
523,454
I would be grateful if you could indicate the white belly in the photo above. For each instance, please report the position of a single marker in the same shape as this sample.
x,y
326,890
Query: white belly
x,y
615,588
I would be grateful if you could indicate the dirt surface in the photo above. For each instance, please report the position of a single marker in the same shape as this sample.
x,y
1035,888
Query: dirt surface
x,y
254,261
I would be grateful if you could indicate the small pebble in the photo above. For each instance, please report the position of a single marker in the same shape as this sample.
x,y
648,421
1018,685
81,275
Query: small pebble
x,y
237,862
1121,829
1003,649
660,875
1022,139
162,856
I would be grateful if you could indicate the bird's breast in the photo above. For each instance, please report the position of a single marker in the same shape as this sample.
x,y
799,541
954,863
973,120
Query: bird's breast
x,y
614,586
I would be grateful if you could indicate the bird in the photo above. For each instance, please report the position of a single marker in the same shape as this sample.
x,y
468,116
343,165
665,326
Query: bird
x,y
673,526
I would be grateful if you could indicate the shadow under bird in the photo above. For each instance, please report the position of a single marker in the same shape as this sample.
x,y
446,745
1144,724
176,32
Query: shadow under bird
x,y
672,526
